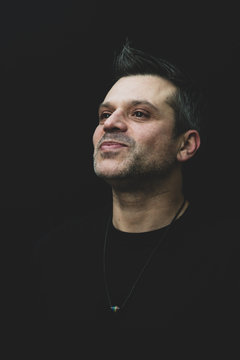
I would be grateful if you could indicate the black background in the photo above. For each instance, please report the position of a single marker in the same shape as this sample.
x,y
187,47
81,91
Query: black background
x,y
56,59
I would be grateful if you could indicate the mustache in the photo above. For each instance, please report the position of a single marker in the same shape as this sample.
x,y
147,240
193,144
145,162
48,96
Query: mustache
x,y
122,138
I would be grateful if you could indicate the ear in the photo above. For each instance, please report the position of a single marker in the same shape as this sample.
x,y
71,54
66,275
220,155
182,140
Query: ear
x,y
189,144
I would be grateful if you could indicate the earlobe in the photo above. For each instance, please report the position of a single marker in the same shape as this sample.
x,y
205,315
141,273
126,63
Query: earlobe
x,y
189,145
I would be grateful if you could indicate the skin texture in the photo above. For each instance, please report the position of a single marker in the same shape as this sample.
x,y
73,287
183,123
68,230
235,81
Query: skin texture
x,y
136,153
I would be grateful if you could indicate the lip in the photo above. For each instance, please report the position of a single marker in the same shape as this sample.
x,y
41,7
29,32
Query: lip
x,y
111,145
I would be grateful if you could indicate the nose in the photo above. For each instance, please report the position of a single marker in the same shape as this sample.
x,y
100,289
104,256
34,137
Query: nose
x,y
115,122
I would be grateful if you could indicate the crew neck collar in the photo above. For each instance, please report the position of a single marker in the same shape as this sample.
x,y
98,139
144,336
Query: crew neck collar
x,y
150,233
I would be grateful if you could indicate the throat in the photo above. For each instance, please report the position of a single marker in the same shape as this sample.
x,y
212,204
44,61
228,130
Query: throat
x,y
146,216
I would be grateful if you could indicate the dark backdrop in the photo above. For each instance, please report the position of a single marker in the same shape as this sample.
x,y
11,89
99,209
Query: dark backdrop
x,y
56,61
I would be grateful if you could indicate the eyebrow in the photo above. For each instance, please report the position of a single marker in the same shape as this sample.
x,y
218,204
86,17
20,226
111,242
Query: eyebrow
x,y
132,103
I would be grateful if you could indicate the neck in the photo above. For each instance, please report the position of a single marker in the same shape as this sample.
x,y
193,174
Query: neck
x,y
150,207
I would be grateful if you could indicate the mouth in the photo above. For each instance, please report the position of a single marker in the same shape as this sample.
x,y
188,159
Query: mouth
x,y
111,145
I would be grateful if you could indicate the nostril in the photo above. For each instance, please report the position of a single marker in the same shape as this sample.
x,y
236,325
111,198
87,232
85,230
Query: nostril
x,y
112,130
114,124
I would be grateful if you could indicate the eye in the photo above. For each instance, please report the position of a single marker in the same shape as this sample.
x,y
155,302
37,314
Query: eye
x,y
104,115
139,114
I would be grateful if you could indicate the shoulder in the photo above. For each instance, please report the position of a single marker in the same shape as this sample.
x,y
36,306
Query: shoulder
x,y
215,230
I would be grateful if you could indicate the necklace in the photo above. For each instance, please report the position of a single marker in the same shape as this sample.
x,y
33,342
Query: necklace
x,y
115,308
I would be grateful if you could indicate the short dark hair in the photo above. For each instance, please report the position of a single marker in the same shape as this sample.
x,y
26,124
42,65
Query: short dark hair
x,y
188,100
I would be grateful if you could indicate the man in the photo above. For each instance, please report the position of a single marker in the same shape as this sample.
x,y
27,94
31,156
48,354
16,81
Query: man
x,y
160,262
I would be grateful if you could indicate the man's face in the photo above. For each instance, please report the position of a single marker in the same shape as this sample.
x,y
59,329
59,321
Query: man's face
x,y
134,136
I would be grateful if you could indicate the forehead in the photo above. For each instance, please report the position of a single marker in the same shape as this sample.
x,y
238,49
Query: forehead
x,y
152,88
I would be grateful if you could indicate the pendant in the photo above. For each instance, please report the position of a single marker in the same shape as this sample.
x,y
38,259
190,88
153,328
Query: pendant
x,y
115,308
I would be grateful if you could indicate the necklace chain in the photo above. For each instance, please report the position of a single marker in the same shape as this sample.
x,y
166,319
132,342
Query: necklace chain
x,y
117,308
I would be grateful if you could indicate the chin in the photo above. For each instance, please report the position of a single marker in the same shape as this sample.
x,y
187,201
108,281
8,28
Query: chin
x,y
108,175
110,169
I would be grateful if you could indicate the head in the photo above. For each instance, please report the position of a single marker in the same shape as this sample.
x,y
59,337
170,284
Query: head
x,y
149,121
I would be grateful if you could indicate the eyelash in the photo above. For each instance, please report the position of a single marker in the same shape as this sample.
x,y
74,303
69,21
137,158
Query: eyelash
x,y
102,115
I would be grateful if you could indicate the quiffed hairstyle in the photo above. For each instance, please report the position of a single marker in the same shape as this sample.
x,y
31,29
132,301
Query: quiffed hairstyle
x,y
187,101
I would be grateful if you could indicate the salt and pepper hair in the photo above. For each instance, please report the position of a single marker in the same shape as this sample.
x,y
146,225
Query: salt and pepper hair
x,y
186,101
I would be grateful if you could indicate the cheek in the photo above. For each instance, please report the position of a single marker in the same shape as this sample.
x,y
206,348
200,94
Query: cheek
x,y
152,138
157,141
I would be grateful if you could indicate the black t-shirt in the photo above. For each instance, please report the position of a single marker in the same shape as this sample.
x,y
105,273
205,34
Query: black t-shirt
x,y
191,282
